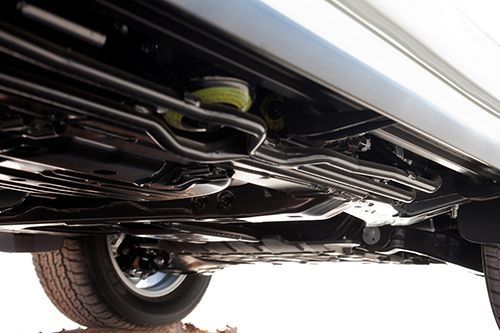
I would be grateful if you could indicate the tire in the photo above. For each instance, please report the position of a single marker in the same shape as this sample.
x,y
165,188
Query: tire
x,y
491,266
83,284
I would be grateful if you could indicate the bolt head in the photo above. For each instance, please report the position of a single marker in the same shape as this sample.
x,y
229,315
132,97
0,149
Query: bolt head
x,y
371,235
199,203
225,200
159,261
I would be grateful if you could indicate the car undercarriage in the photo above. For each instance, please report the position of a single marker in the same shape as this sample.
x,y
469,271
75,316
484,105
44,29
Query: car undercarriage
x,y
191,151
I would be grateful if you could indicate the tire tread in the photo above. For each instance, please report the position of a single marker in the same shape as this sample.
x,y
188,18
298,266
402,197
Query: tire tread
x,y
491,265
64,277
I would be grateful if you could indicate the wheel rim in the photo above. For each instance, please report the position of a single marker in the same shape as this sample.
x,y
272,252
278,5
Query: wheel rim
x,y
156,285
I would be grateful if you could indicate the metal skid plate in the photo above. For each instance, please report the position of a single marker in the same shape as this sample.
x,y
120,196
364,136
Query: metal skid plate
x,y
208,257
342,239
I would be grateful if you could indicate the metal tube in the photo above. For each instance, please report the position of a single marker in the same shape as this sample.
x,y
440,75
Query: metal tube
x,y
316,176
156,130
108,78
59,23
296,158
368,185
